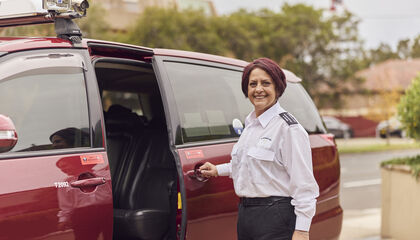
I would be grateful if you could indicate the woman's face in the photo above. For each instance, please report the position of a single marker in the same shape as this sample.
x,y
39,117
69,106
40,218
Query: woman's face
x,y
59,142
261,91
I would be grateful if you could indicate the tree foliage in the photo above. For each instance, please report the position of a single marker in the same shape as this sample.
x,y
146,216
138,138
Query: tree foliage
x,y
324,51
406,49
94,25
409,109
168,28
46,30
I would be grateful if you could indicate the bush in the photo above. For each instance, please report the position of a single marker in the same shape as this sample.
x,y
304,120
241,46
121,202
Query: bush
x,y
409,109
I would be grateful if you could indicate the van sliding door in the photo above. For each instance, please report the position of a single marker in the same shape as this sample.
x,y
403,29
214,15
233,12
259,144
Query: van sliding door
x,y
207,110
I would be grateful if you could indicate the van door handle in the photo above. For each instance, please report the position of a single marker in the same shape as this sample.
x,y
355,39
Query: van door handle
x,y
90,182
196,174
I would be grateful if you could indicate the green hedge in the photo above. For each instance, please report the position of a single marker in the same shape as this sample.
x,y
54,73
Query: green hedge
x,y
413,162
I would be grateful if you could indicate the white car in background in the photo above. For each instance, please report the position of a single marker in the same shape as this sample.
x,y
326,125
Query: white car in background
x,y
391,127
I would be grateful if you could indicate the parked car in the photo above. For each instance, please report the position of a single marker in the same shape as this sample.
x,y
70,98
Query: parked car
x,y
104,139
391,127
337,127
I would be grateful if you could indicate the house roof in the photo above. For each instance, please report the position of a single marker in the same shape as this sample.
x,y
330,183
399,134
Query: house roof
x,y
391,74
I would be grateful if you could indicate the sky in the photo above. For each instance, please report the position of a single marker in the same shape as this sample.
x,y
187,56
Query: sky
x,y
386,21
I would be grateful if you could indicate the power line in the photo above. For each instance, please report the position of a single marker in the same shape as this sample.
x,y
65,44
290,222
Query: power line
x,y
389,16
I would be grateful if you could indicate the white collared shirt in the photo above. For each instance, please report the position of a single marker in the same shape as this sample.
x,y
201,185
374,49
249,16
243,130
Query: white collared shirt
x,y
273,158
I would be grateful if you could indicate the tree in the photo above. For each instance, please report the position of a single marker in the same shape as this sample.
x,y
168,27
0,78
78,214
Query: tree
x,y
409,109
324,51
404,49
242,33
168,28
46,30
382,53
415,50
94,24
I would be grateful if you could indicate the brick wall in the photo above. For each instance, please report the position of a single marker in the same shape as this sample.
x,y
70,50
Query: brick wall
x,y
362,127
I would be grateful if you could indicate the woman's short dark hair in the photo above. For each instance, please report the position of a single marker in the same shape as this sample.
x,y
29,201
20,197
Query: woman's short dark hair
x,y
271,68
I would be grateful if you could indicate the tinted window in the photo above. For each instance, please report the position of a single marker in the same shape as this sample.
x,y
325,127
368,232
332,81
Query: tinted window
x,y
208,100
296,100
48,107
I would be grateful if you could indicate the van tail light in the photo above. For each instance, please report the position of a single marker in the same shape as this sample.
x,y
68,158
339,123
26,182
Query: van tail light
x,y
8,135
8,139
329,137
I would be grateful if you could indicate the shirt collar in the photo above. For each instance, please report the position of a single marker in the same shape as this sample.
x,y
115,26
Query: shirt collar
x,y
266,117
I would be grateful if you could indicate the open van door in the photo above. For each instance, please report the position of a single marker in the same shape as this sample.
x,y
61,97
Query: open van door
x,y
205,111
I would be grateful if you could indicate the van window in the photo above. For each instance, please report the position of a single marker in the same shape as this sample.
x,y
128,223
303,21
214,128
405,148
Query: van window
x,y
296,100
208,99
48,107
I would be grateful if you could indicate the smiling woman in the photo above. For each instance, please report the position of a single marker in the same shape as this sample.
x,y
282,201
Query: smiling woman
x,y
261,91
263,83
271,164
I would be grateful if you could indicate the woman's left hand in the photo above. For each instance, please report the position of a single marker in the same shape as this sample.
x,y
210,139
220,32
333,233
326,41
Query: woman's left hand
x,y
300,235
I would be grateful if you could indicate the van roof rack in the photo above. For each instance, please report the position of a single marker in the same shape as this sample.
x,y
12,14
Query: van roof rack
x,y
29,12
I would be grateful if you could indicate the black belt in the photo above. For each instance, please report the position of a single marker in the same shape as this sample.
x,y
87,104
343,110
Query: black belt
x,y
263,201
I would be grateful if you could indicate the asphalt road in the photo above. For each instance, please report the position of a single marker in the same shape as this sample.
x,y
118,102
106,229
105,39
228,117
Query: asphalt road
x,y
361,178
361,193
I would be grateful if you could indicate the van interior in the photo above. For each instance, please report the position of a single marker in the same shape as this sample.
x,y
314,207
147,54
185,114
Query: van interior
x,y
143,170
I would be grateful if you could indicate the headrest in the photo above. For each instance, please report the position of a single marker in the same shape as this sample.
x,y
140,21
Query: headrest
x,y
120,118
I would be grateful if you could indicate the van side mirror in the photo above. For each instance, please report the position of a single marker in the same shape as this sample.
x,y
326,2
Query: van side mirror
x,y
8,135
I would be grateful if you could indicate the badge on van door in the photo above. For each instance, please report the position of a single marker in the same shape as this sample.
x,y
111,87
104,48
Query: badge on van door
x,y
91,159
237,126
194,154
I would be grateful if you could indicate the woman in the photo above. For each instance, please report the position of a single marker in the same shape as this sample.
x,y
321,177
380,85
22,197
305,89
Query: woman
x,y
271,163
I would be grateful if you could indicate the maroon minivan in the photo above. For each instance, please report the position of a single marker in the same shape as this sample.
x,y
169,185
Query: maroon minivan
x,y
102,140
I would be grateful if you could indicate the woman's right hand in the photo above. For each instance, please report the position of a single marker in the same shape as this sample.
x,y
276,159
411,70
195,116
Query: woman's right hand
x,y
208,170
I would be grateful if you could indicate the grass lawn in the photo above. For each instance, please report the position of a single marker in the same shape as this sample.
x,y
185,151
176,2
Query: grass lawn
x,y
360,145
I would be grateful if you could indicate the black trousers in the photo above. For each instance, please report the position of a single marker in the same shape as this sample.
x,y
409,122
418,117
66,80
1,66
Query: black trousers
x,y
271,218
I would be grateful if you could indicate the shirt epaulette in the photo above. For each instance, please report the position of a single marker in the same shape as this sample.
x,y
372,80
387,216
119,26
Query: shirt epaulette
x,y
290,120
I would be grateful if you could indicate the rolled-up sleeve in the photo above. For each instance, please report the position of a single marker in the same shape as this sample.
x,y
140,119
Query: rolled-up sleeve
x,y
304,190
224,169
